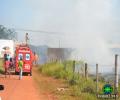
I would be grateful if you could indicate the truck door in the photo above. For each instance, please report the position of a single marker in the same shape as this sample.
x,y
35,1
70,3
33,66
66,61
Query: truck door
x,y
27,62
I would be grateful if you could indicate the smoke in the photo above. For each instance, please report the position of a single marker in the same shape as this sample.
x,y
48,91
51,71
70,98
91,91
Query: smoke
x,y
97,52
87,25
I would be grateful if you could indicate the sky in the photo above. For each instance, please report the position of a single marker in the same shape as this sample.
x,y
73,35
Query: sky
x,y
90,25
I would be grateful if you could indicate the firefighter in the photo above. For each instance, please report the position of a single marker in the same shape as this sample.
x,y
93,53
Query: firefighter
x,y
7,62
20,65
11,63
36,58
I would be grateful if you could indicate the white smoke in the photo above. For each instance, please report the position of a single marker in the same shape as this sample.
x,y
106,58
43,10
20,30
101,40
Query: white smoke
x,y
96,52
87,25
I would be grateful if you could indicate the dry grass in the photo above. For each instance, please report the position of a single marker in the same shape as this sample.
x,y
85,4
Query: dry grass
x,y
50,85
1,66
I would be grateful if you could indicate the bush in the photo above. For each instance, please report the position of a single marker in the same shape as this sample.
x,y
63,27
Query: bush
x,y
1,66
57,70
88,89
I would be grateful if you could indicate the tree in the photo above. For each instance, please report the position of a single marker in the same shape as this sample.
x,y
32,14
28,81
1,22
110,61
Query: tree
x,y
7,33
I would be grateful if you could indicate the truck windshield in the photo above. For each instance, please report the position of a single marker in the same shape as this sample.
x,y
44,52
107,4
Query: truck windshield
x,y
20,56
27,56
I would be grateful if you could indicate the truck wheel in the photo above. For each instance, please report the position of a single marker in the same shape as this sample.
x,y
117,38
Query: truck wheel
x,y
30,73
16,73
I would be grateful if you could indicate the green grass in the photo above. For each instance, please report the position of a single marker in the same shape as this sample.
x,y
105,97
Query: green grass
x,y
79,87
1,66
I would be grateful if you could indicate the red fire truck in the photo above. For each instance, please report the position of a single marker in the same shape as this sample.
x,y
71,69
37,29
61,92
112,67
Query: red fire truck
x,y
24,52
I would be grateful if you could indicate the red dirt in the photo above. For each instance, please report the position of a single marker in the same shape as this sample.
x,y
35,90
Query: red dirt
x,y
16,89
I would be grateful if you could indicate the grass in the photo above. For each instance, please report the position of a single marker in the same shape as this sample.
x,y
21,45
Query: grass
x,y
47,85
1,66
78,87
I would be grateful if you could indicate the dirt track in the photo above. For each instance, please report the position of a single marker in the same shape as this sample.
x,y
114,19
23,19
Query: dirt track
x,y
19,89
25,89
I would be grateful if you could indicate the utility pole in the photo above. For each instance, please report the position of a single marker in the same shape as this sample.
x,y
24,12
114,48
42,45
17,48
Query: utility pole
x,y
96,78
59,43
116,75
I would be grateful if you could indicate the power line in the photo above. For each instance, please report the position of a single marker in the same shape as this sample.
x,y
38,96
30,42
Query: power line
x,y
37,31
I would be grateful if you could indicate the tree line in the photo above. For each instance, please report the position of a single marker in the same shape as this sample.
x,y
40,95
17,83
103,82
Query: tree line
x,y
6,33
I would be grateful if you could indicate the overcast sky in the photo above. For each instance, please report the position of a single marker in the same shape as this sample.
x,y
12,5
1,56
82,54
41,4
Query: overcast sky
x,y
77,23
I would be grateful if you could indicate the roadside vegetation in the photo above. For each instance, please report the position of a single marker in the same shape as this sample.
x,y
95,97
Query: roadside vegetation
x,y
78,88
1,66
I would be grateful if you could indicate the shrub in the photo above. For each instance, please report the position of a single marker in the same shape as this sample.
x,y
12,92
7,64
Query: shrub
x,y
88,89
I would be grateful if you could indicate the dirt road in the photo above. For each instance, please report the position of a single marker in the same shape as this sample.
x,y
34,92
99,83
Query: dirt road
x,y
19,89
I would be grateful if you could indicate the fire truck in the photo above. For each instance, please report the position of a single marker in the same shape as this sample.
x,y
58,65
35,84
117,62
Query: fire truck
x,y
24,52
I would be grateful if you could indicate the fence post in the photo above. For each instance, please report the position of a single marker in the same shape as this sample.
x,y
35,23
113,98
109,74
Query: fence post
x,y
74,66
116,75
86,70
65,66
96,79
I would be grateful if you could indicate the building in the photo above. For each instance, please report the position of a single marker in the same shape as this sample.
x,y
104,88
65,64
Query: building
x,y
58,54
6,46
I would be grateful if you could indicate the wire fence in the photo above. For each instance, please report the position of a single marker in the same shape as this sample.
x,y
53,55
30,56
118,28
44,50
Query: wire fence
x,y
106,72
